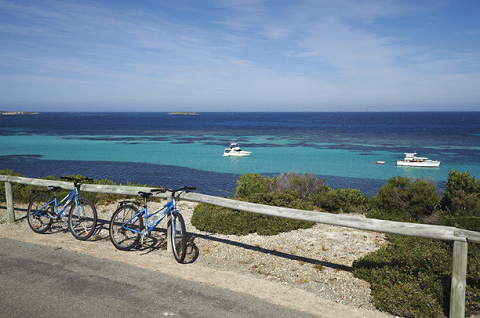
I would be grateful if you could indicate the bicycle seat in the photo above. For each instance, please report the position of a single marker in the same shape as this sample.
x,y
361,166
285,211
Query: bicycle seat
x,y
53,188
144,194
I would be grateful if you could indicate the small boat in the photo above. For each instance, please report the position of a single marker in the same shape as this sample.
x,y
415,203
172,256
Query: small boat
x,y
235,151
411,160
380,162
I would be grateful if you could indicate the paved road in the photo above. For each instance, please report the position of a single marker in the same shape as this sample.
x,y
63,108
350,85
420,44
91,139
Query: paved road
x,y
41,281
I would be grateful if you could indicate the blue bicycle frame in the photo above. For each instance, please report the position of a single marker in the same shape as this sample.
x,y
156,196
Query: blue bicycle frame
x,y
73,195
167,208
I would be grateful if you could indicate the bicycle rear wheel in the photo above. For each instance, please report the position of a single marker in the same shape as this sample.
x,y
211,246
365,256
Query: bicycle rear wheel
x,y
179,237
123,226
82,219
40,213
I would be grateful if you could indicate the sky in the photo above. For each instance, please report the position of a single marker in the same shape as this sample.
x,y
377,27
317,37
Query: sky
x,y
240,55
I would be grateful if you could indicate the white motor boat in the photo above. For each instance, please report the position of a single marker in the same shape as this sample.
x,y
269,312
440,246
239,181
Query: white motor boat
x,y
235,151
411,160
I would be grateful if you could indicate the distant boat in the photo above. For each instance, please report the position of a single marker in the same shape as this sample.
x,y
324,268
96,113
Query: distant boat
x,y
411,160
235,151
380,162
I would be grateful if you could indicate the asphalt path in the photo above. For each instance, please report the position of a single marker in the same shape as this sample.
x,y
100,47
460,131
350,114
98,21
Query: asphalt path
x,y
42,281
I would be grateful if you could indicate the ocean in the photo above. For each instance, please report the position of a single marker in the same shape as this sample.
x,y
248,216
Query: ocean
x,y
176,150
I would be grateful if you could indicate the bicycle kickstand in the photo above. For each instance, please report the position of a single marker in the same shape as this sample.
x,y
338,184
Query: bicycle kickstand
x,y
143,236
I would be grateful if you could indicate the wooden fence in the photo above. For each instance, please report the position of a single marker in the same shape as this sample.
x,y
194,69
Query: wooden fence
x,y
460,237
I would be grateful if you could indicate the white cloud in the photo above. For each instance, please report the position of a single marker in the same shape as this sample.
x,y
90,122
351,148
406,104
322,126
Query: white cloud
x,y
230,53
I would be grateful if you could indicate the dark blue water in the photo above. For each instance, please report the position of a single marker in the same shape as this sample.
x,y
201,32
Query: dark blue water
x,y
160,149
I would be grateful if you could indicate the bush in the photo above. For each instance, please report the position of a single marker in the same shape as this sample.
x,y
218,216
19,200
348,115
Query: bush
x,y
350,200
411,271
404,199
462,201
411,276
293,190
251,184
253,188
459,182
215,219
325,199
344,200
304,185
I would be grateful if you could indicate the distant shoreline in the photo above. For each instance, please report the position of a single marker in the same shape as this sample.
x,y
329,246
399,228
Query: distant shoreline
x,y
17,113
183,113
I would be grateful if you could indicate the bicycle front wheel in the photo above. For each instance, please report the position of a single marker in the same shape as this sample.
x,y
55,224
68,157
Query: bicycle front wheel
x,y
123,227
40,213
82,219
179,237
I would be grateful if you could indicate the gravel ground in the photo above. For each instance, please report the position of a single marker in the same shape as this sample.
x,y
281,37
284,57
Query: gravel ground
x,y
317,260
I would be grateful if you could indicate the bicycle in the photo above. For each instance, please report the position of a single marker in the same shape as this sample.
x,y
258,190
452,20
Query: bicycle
x,y
128,225
82,216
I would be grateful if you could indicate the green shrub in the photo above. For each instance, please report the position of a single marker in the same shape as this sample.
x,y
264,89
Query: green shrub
x,y
462,201
325,199
410,277
251,184
404,199
253,188
411,271
459,182
350,200
215,219
303,185
344,200
292,190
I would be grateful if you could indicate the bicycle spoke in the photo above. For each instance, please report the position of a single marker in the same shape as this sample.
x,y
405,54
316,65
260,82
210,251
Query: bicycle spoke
x,y
39,214
82,219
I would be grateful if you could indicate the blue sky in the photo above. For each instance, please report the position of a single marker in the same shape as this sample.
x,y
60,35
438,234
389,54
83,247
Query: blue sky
x,y
240,55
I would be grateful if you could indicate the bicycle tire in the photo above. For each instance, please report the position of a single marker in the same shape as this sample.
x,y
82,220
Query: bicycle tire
x,y
122,238
179,237
82,219
39,214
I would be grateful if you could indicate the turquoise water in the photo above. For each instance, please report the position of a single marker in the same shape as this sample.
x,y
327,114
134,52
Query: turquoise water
x,y
156,148
197,155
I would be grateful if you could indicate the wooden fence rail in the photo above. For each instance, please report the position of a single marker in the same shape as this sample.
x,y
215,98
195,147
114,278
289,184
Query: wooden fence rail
x,y
460,237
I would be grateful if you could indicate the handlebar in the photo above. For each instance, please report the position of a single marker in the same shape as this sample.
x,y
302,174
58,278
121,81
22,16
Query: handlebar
x,y
76,179
184,189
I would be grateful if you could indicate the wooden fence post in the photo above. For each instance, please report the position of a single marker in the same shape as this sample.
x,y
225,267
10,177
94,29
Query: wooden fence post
x,y
9,199
459,280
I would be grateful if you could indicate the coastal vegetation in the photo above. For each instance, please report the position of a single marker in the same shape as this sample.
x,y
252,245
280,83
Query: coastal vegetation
x,y
297,191
409,277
